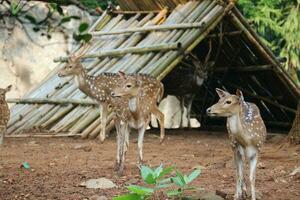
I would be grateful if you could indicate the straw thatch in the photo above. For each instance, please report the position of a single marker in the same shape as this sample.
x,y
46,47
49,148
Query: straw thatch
x,y
241,61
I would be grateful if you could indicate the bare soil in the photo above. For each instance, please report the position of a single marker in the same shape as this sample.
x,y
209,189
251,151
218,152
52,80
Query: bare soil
x,y
59,165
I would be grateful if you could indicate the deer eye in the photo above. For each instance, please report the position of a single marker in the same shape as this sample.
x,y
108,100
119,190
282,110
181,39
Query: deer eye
x,y
128,86
70,66
228,102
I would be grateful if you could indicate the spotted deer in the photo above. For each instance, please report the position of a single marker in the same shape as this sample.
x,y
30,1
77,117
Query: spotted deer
x,y
4,112
247,133
141,93
97,87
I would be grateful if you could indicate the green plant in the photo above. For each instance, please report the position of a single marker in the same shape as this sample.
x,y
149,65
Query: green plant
x,y
82,35
183,183
158,183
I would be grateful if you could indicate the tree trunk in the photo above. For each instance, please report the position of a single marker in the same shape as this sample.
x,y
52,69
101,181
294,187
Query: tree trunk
x,y
294,135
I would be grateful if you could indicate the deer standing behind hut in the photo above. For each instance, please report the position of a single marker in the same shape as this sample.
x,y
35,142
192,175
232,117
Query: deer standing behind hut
x,y
4,112
247,133
186,81
142,93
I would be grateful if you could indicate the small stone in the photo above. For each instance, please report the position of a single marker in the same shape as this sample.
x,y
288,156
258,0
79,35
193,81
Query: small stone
x,y
101,183
261,165
296,171
210,196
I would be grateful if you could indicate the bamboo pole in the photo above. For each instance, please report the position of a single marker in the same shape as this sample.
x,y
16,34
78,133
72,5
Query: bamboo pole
x,y
150,28
120,52
244,68
83,102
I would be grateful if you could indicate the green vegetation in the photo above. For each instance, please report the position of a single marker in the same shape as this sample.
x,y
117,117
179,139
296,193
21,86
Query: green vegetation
x,y
278,23
160,184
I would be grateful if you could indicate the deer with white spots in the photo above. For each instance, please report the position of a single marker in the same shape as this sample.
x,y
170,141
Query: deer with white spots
x,y
142,93
97,87
4,112
247,133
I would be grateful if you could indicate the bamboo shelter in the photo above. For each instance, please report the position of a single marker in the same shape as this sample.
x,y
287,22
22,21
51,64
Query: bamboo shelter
x,y
155,40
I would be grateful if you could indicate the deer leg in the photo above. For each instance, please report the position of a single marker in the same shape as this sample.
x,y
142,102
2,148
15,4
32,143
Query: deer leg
x,y
182,110
123,147
117,125
2,134
252,155
161,119
141,132
188,109
238,159
103,110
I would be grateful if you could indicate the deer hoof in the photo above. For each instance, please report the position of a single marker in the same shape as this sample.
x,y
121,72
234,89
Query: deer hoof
x,y
161,140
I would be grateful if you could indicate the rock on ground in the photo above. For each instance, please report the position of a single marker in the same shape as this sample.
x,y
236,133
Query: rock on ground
x,y
100,183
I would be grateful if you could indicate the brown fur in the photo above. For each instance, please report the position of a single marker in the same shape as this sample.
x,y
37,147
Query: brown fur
x,y
4,112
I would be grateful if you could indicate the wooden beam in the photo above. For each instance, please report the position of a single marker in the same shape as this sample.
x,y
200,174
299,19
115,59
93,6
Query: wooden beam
x,y
150,28
265,99
243,68
82,102
232,33
120,52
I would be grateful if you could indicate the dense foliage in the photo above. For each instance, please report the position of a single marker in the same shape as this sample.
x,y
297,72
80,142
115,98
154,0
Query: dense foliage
x,y
278,22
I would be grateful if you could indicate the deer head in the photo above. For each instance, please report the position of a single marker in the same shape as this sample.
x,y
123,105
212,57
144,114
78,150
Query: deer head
x,y
4,91
128,86
228,104
73,66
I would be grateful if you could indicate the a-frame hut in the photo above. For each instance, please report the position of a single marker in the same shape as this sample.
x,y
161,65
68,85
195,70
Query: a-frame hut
x,y
150,36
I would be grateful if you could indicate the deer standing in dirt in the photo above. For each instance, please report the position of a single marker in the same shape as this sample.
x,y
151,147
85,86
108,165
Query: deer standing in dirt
x,y
97,87
247,133
4,112
142,93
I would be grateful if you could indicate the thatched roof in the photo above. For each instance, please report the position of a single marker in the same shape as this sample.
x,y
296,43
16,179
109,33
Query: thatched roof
x,y
241,61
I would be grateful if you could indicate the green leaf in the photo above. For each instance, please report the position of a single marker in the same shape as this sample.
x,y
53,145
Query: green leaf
x,y
15,8
194,175
128,197
178,181
140,190
85,37
68,18
165,171
147,175
172,193
161,186
181,177
158,170
31,19
83,27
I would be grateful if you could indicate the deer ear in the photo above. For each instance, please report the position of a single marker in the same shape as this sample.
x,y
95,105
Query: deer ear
x,y
221,93
8,88
240,94
121,74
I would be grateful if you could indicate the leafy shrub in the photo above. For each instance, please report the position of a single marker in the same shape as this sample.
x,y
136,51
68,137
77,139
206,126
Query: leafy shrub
x,y
159,183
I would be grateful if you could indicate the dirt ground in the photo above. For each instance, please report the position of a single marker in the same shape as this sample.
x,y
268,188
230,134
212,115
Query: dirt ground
x,y
59,165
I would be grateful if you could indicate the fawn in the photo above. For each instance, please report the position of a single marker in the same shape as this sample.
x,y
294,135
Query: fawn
x,y
4,112
142,92
247,133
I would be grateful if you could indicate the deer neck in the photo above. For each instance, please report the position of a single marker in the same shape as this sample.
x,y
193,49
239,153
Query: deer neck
x,y
83,82
235,127
135,106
